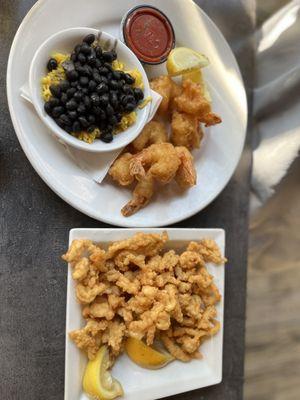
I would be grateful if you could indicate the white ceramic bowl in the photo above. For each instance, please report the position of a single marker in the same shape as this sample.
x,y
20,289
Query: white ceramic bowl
x,y
64,42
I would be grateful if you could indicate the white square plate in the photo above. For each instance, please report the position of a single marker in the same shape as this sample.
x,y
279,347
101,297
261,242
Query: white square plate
x,y
139,383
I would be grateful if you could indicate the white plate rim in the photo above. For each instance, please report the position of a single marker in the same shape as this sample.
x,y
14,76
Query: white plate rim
x,y
216,378
124,222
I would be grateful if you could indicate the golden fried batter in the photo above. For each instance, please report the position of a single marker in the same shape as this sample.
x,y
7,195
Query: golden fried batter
x,y
163,85
154,132
186,175
137,289
193,101
186,130
120,171
159,160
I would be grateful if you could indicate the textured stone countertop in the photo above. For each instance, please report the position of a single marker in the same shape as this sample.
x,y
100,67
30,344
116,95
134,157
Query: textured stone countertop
x,y
34,226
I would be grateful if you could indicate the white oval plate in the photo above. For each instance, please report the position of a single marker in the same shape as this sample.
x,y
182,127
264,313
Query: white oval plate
x,y
220,150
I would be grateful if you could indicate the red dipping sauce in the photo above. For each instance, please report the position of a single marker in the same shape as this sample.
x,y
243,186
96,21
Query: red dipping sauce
x,y
149,34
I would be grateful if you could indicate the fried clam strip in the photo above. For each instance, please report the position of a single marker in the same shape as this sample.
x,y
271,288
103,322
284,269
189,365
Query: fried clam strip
x,y
137,289
146,244
209,251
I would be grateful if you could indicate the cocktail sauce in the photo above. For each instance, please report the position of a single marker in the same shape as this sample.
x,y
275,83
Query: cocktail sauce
x,y
149,34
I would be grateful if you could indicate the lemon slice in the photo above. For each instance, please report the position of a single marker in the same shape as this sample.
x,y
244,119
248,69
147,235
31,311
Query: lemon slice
x,y
146,356
197,77
97,381
183,59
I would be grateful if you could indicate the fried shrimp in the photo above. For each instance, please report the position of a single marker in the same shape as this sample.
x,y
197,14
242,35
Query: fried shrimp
x,y
120,171
186,175
141,196
159,160
163,86
191,100
154,132
186,130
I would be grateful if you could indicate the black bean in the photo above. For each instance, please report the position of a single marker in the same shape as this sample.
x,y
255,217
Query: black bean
x,y
84,80
96,77
72,75
109,110
116,75
87,101
85,90
57,111
98,52
95,99
118,116
86,49
89,70
83,122
76,126
103,71
78,95
129,107
121,84
74,84
108,56
70,92
128,99
104,100
89,39
59,123
113,120
106,137
129,79
48,107
109,76
114,101
91,60
102,124
81,109
81,57
138,94
102,88
65,119
55,90
52,64
71,105
92,85
103,79
81,70
64,98
72,115
74,57
98,63
77,48
54,102
91,118
113,84
96,110
126,88
108,66
91,129
64,85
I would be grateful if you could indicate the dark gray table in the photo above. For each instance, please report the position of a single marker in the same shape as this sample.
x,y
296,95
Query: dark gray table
x,y
34,225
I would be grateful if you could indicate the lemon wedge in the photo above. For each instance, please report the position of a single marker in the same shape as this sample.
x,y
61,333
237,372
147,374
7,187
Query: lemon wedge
x,y
145,356
183,59
197,77
97,381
